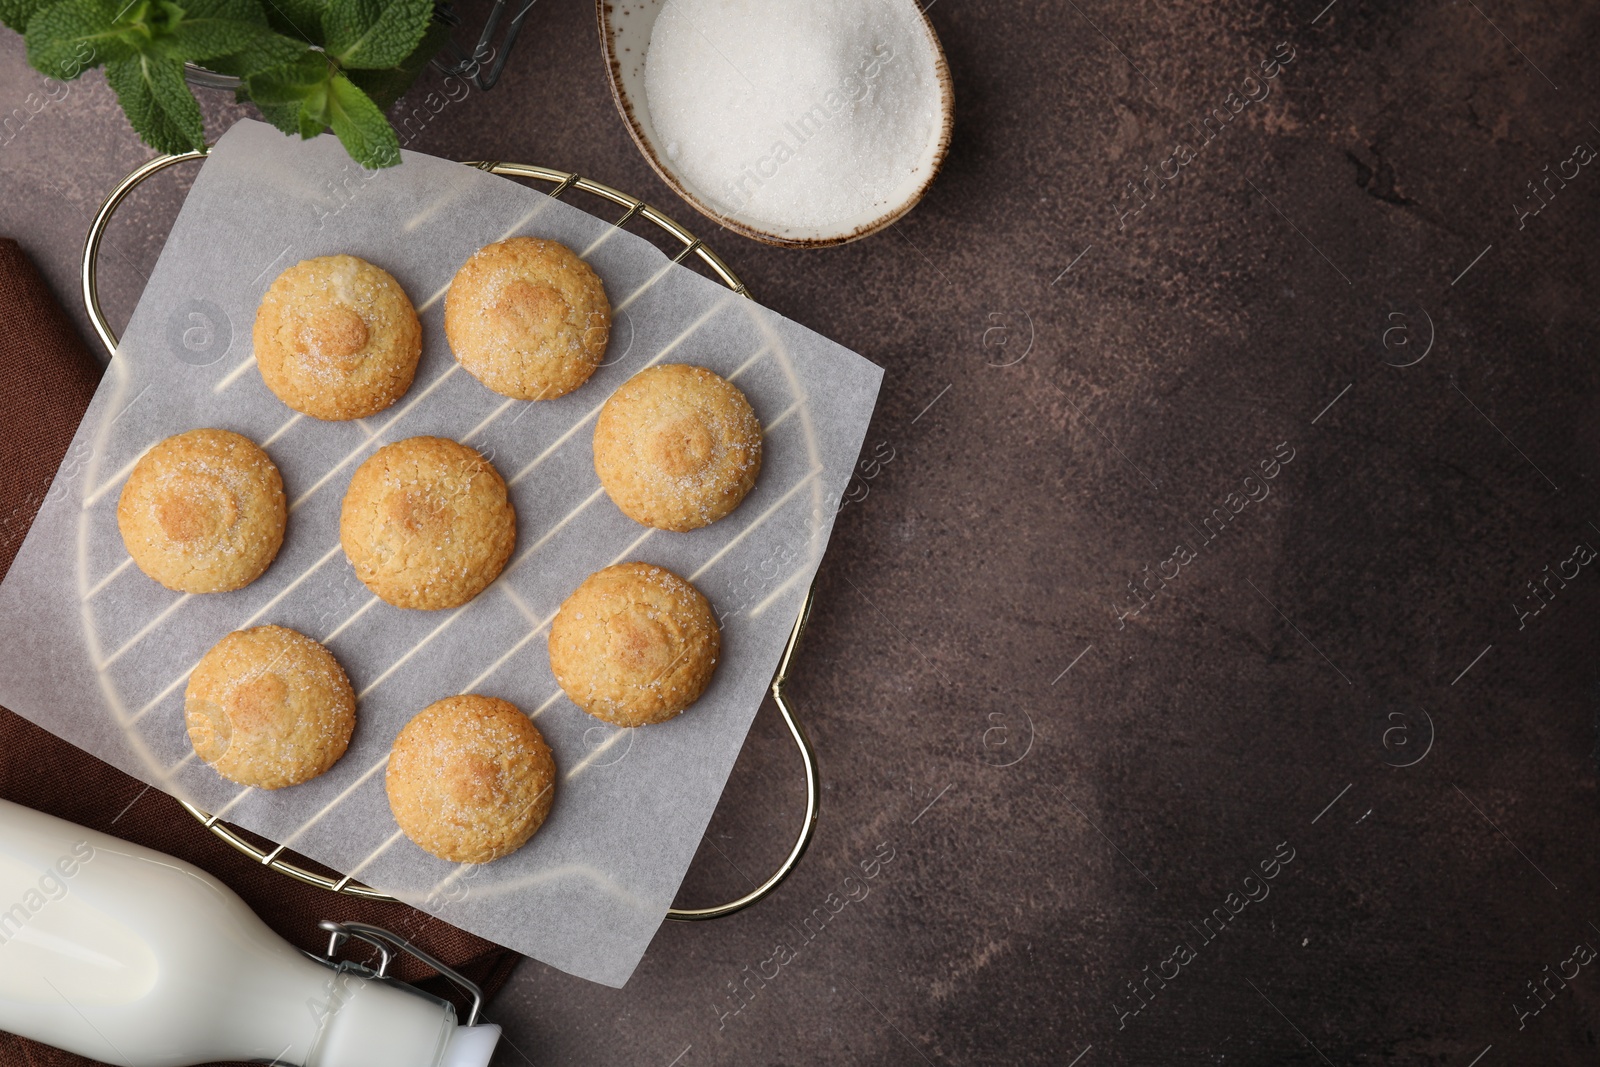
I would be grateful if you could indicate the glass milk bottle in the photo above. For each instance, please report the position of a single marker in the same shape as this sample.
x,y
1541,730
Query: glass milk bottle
x,y
126,955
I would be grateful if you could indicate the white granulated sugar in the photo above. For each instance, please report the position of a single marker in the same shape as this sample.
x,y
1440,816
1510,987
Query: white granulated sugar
x,y
795,113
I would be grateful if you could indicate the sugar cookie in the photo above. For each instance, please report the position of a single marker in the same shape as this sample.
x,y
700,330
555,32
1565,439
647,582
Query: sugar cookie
x,y
337,338
269,707
677,447
470,779
528,318
634,644
426,523
203,512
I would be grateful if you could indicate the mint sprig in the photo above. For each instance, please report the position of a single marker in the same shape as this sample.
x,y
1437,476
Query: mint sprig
x,y
368,34
300,19
16,13
360,125
62,32
294,58
158,104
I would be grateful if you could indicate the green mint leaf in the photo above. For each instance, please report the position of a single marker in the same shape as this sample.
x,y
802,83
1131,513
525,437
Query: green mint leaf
x,y
16,13
284,116
361,127
387,84
66,38
296,98
374,33
293,83
313,116
234,10
267,53
158,104
206,38
300,19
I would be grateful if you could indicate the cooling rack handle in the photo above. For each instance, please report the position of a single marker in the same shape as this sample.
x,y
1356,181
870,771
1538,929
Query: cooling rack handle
x,y
97,233
813,793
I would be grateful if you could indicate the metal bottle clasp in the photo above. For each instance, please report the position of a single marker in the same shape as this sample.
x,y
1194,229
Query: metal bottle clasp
x,y
389,944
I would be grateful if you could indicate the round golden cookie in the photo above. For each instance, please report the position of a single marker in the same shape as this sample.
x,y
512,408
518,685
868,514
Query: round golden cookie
x,y
269,707
677,447
426,523
337,338
203,512
470,779
528,318
634,644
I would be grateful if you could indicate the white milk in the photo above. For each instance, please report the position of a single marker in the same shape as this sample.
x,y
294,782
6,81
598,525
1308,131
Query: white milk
x,y
125,955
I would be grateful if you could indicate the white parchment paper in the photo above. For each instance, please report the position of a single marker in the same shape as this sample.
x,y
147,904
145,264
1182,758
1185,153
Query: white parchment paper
x,y
99,654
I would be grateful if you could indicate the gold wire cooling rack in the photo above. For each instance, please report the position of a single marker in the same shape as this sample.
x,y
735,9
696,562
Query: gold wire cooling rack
x,y
562,182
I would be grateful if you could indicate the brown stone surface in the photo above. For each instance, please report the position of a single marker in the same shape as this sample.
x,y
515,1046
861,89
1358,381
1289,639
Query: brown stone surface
x,y
1045,436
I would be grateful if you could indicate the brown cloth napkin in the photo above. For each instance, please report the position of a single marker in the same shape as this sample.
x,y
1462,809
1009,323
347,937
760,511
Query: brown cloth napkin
x,y
46,380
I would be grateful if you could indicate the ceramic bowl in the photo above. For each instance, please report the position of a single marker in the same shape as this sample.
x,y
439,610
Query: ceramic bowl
x,y
625,27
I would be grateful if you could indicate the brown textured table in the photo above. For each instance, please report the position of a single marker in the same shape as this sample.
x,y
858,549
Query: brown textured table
x,y
1087,388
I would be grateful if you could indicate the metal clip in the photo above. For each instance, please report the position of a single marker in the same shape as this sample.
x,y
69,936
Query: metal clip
x,y
388,944
470,67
